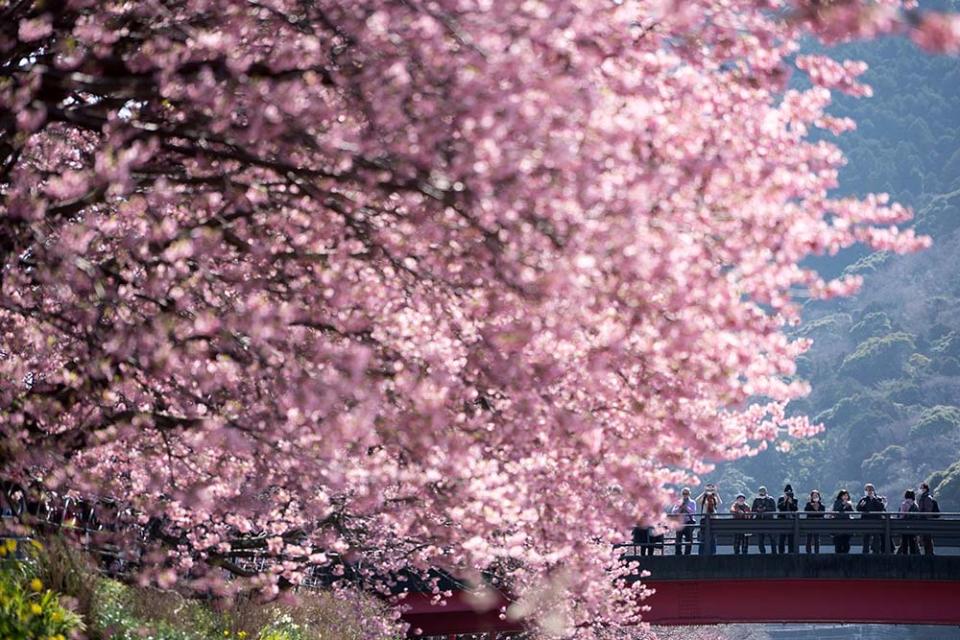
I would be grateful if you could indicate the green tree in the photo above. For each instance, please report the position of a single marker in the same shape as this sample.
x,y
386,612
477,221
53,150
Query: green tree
x,y
937,421
871,325
879,358
945,486
883,466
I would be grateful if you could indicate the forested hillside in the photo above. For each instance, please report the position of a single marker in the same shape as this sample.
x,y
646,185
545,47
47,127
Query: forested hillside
x,y
885,365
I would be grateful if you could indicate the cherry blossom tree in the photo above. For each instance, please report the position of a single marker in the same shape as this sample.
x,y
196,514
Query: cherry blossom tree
x,y
451,283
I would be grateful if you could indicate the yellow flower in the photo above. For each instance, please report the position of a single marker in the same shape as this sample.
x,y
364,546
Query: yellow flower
x,y
241,634
11,545
36,545
56,616
36,585
226,633
36,609
3,551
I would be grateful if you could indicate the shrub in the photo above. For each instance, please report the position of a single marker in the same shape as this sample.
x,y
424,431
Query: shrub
x,y
32,586
129,613
313,614
124,612
283,628
68,571
28,608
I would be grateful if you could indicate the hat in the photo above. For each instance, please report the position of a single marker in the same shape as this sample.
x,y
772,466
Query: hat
x,y
762,489
740,495
788,488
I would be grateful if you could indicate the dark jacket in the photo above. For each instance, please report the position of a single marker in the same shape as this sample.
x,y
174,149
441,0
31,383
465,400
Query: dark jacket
x,y
868,505
787,503
764,507
640,535
925,502
815,508
842,508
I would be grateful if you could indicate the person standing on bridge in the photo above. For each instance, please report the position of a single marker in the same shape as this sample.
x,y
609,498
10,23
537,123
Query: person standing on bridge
x,y
709,502
814,509
684,511
843,508
870,506
787,504
740,511
764,508
928,506
908,543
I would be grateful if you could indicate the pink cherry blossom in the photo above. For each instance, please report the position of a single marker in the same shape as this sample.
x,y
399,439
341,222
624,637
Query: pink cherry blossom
x,y
459,284
938,33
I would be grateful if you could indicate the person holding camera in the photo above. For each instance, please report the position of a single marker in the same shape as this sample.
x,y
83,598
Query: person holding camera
x,y
764,507
869,505
787,504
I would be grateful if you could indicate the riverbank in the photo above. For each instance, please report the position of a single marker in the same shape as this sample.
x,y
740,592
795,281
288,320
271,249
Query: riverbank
x,y
52,591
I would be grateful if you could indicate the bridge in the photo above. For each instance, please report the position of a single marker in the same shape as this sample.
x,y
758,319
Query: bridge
x,y
719,587
713,585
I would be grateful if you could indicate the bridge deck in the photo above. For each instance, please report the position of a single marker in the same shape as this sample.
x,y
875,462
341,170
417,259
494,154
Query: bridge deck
x,y
702,590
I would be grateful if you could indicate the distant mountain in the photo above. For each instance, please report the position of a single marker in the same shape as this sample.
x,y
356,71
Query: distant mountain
x,y
885,366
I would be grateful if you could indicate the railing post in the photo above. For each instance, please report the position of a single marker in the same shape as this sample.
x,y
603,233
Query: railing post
x,y
796,532
887,540
706,531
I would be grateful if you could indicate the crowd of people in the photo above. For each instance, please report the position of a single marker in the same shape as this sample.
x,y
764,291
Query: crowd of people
x,y
688,510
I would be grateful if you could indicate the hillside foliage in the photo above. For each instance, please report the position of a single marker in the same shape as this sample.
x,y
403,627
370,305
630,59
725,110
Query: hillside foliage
x,y
885,365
